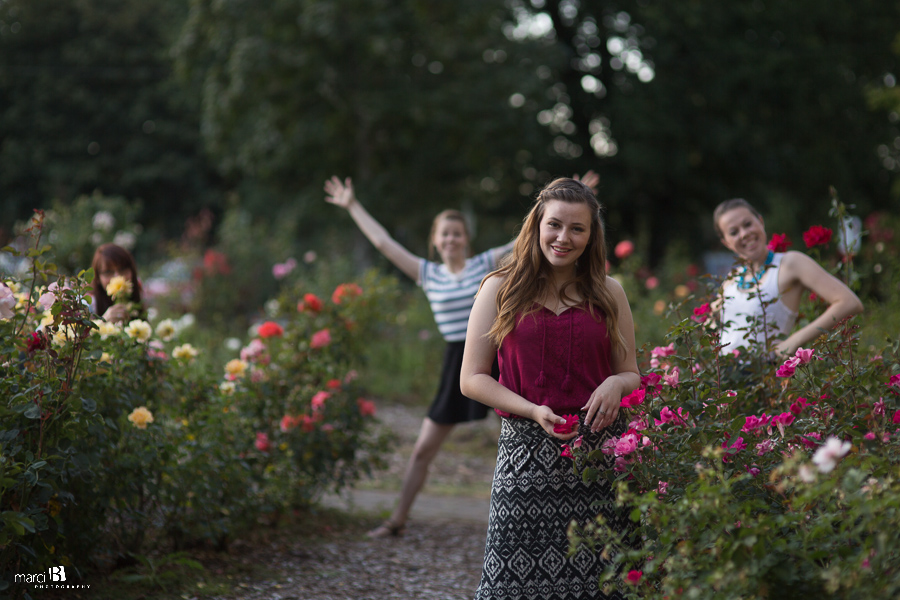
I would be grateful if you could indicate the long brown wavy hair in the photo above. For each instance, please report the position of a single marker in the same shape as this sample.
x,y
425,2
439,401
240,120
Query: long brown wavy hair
x,y
528,275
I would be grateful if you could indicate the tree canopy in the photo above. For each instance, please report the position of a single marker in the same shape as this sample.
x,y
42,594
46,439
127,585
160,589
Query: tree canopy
x,y
474,104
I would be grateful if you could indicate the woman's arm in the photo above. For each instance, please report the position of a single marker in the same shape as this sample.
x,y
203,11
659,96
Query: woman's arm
x,y
842,302
475,377
605,401
341,194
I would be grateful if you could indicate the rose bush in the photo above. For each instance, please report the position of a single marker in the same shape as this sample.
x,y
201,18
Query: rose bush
x,y
748,478
115,439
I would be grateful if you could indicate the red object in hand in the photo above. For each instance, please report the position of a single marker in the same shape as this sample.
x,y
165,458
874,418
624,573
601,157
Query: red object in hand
x,y
567,427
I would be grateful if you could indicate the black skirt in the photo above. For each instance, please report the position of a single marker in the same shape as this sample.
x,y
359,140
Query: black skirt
x,y
449,405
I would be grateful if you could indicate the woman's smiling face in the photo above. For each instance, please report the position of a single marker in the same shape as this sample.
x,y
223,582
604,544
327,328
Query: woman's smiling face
x,y
744,234
565,231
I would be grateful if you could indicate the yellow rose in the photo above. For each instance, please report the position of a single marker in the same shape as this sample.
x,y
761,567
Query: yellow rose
x,y
139,330
106,329
105,357
141,417
64,334
185,351
236,368
47,319
118,286
166,330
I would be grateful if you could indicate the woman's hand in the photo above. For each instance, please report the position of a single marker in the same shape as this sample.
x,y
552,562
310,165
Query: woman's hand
x,y
117,313
340,193
603,405
548,420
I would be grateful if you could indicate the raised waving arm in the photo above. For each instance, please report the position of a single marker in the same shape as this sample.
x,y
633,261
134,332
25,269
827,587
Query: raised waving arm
x,y
340,193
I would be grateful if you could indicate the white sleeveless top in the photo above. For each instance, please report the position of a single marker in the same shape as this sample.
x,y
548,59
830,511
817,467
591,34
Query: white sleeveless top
x,y
744,310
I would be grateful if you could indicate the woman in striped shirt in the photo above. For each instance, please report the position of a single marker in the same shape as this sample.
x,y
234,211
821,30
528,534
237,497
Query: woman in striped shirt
x,y
450,287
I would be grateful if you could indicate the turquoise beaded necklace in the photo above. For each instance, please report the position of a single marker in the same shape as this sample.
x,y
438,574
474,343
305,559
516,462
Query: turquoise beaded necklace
x,y
754,279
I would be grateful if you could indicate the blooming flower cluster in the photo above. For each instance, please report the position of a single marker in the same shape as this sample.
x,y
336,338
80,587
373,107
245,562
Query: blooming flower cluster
x,y
779,242
139,330
344,292
789,367
7,302
282,270
119,288
816,236
140,417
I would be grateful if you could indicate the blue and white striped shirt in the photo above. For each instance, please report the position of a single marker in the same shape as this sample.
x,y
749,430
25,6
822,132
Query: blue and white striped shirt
x,y
452,295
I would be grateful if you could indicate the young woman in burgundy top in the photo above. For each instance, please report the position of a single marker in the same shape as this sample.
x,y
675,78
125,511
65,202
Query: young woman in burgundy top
x,y
564,335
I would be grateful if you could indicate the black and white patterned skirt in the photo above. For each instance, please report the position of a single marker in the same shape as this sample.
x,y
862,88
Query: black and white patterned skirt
x,y
535,495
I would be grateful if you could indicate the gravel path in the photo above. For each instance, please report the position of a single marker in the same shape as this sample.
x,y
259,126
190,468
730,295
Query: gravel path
x,y
440,555
439,560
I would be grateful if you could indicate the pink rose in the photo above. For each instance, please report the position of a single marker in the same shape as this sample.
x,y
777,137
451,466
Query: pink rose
x,y
318,400
634,398
785,370
634,577
566,452
320,339
288,422
624,249
281,270
663,488
765,446
262,442
671,377
663,351
627,444
804,355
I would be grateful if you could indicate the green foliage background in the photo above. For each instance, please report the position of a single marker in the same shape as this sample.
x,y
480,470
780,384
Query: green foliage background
x,y
184,103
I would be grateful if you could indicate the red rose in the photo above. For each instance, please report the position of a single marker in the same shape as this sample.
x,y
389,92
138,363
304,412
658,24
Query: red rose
x,y
310,302
816,236
567,427
779,242
36,341
345,291
366,407
270,329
